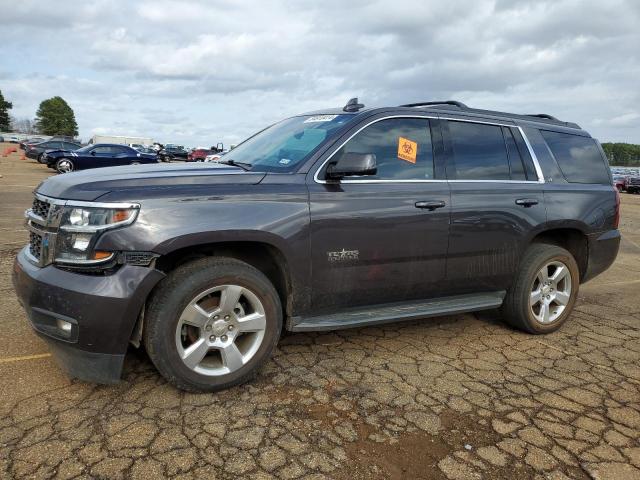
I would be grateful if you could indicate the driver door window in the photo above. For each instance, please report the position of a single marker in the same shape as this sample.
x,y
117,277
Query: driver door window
x,y
101,151
402,147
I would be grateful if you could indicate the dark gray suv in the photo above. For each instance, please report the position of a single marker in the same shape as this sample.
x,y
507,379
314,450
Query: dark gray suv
x,y
332,219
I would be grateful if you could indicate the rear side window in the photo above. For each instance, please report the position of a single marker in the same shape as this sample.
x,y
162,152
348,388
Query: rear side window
x,y
579,158
479,151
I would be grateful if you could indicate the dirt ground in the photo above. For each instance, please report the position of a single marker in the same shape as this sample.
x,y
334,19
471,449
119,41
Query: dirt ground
x,y
460,397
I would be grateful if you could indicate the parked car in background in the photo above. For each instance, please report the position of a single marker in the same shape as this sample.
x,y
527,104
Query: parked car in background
x,y
214,157
620,181
36,150
31,141
143,149
173,152
96,156
12,139
198,154
633,184
1,139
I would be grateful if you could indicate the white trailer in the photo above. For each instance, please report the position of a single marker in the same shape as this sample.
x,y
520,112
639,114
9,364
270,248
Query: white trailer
x,y
122,140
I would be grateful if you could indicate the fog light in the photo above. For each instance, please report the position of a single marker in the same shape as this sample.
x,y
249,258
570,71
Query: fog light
x,y
63,325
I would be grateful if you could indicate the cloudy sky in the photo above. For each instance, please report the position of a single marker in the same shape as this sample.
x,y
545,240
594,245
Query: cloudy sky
x,y
199,72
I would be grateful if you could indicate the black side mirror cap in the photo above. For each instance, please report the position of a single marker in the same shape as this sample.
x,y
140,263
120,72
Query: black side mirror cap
x,y
351,165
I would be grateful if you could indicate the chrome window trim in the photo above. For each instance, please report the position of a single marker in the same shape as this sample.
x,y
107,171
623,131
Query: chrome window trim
x,y
534,158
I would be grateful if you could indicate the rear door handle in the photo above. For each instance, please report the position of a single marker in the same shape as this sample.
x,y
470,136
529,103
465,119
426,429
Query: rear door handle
x,y
526,202
430,205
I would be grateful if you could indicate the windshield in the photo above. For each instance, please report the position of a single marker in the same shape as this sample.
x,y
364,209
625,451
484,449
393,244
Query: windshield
x,y
284,145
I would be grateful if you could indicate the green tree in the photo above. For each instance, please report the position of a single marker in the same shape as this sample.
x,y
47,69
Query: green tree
x,y
56,117
622,154
5,122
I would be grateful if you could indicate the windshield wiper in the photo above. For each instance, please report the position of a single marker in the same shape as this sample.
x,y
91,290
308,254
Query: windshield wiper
x,y
245,166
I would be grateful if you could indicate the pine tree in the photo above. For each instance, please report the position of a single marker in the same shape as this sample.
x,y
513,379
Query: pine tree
x,y
56,117
5,122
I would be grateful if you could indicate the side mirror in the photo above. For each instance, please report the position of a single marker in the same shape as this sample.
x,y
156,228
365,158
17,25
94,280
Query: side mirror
x,y
353,164
93,152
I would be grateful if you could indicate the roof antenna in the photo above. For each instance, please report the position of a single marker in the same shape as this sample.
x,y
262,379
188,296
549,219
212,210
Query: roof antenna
x,y
353,105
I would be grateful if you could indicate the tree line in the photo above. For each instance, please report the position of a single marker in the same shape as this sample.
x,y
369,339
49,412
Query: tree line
x,y
622,154
54,117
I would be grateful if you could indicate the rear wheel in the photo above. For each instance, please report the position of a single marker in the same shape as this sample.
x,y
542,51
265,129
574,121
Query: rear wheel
x,y
64,165
545,290
212,323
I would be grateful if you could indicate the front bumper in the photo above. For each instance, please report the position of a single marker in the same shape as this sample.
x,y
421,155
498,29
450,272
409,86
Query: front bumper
x,y
99,312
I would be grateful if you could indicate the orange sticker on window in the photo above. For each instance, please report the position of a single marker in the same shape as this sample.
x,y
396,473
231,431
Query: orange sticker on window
x,y
407,150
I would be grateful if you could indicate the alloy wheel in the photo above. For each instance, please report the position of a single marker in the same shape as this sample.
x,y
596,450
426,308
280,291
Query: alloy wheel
x,y
65,166
220,330
550,292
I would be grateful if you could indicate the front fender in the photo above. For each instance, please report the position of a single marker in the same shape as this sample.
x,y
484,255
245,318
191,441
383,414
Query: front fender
x,y
261,213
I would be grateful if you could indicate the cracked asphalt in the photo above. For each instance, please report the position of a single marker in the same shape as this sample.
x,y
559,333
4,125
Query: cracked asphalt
x,y
459,397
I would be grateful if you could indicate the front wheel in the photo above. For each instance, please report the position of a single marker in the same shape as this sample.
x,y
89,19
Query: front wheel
x,y
544,291
212,323
64,165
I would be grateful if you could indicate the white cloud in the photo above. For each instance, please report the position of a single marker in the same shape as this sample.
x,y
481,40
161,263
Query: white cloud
x,y
198,71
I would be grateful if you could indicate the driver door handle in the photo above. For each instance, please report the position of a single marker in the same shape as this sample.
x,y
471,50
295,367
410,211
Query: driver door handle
x,y
526,202
430,205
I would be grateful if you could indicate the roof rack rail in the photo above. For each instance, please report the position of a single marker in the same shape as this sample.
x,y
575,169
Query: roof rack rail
x,y
543,115
460,105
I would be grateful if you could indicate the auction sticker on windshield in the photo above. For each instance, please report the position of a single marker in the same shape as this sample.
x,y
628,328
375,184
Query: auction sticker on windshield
x,y
407,150
320,118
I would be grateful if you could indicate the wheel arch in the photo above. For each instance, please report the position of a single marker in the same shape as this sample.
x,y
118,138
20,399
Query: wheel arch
x,y
572,239
264,256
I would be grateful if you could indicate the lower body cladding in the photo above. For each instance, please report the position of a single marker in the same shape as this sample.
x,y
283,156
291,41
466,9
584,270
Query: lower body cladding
x,y
602,250
88,323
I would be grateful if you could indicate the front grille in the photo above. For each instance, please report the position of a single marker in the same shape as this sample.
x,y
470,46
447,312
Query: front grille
x,y
35,245
40,208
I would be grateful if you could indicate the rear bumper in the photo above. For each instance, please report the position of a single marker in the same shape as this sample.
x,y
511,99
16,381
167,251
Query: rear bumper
x,y
603,250
86,320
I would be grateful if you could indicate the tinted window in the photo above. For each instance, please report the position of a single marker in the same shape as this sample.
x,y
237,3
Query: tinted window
x,y
102,150
578,157
479,151
402,147
69,146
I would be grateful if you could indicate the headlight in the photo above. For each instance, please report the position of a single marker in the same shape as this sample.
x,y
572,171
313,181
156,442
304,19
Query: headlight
x,y
80,228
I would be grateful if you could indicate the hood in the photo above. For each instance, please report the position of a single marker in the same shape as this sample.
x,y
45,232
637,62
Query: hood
x,y
88,185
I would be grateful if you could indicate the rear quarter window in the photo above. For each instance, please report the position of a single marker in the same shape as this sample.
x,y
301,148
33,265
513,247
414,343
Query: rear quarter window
x,y
579,158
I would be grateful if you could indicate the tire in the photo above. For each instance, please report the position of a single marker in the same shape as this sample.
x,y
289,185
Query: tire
x,y
64,165
40,160
517,308
168,337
